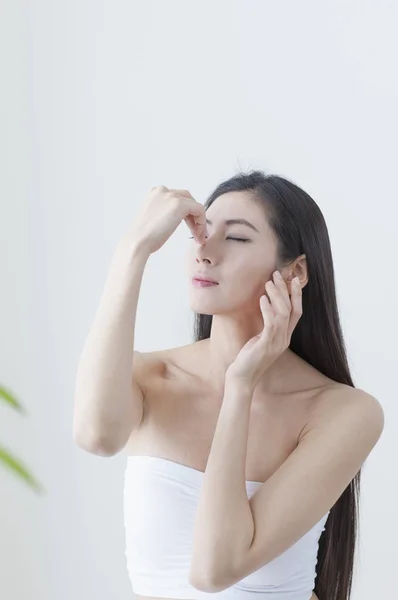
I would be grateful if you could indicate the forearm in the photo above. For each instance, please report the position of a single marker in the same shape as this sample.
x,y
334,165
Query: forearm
x,y
224,523
104,407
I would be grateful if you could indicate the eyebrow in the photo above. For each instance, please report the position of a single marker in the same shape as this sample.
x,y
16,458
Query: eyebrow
x,y
236,222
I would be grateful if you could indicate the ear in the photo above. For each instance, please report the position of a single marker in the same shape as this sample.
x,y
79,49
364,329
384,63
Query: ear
x,y
298,269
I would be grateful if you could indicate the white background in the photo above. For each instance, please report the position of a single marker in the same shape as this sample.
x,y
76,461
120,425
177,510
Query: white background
x,y
100,101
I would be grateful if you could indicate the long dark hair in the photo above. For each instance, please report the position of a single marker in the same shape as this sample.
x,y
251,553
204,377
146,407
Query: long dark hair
x,y
300,228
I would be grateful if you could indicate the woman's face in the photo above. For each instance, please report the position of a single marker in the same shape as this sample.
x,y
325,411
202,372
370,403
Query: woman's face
x,y
241,268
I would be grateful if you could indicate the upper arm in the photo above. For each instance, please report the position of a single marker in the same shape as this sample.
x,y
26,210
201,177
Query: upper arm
x,y
146,366
313,477
141,373
136,380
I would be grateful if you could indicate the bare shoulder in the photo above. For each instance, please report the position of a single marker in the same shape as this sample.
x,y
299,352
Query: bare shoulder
x,y
341,400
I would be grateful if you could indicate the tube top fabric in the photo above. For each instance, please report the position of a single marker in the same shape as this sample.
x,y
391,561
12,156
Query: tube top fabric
x,y
160,502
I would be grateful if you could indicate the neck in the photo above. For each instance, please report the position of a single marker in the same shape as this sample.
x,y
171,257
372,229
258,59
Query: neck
x,y
228,336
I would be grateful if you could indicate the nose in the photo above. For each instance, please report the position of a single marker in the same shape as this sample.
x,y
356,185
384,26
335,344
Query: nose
x,y
200,260
203,252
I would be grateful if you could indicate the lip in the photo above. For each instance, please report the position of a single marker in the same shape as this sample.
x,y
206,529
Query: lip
x,y
199,277
200,283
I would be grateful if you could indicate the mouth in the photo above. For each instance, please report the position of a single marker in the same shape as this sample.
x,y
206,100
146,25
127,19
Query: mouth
x,y
203,282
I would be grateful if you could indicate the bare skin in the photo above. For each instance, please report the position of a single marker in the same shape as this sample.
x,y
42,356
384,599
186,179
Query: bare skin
x,y
182,407
184,386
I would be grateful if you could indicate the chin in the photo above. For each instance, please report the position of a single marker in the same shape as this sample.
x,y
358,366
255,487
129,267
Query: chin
x,y
209,306
204,308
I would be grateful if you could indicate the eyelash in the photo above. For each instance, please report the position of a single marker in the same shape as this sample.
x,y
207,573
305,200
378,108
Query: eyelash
x,y
231,238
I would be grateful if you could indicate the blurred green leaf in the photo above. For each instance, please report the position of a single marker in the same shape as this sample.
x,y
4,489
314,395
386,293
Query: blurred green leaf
x,y
6,458
10,399
16,466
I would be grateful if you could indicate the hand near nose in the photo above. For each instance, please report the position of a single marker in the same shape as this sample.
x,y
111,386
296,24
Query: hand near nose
x,y
280,314
160,214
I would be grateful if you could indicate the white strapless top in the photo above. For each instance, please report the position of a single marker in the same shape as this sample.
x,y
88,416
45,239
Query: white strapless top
x,y
160,502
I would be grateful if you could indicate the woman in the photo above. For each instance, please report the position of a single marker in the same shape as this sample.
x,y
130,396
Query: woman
x,y
245,447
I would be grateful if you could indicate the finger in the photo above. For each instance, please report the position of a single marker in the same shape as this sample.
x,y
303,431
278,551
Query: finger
x,y
196,220
268,316
197,217
197,236
281,285
195,208
181,192
297,307
199,233
277,300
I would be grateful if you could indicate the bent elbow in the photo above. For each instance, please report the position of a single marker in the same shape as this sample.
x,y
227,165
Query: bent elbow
x,y
96,444
205,584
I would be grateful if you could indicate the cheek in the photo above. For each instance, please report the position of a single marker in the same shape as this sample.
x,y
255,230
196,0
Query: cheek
x,y
252,276
245,286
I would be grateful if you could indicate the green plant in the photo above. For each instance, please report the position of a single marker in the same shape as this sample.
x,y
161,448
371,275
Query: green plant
x,y
6,458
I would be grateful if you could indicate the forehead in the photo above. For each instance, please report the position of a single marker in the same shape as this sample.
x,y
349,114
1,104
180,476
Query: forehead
x,y
237,205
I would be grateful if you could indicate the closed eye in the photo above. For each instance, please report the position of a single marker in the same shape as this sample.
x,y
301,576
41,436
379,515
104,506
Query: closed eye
x,y
231,238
